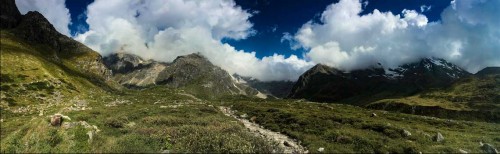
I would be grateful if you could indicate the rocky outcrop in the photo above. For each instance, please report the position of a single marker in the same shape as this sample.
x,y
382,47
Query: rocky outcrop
x,y
9,14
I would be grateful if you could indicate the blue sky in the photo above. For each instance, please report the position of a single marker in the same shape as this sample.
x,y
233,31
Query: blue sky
x,y
272,18
280,39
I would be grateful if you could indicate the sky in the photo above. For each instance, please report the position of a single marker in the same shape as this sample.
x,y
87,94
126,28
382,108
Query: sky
x,y
280,39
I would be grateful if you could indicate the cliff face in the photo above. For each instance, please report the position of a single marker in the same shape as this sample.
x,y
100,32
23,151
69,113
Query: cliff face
x,y
9,14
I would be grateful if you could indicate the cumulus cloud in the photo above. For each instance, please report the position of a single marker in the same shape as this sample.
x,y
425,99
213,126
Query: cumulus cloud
x,y
54,10
468,35
163,30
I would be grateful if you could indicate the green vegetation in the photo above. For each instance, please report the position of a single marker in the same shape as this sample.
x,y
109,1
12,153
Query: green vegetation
x,y
344,128
471,98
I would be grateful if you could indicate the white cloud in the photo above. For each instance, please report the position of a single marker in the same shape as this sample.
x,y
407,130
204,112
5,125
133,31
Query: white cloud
x,y
163,30
425,8
468,35
54,10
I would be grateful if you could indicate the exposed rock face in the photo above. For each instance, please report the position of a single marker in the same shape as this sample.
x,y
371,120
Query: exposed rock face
x,y
35,28
192,72
324,83
9,14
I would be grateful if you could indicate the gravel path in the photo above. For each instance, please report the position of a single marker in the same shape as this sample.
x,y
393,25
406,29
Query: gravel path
x,y
287,144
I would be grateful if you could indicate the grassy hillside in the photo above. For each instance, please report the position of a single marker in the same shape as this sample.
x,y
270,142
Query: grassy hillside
x,y
345,129
471,98
34,86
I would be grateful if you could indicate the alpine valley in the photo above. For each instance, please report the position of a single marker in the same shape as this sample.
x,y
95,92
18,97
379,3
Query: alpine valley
x,y
58,95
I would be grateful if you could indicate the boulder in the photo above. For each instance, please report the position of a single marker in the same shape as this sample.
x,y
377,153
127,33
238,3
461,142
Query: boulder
x,y
56,120
321,149
488,148
373,115
462,151
406,133
439,137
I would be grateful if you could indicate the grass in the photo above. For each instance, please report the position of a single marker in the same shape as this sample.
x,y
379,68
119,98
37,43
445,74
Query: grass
x,y
345,129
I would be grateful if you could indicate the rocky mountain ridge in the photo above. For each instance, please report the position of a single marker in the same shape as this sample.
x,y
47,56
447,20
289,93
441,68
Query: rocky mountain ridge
x,y
35,29
193,72
324,83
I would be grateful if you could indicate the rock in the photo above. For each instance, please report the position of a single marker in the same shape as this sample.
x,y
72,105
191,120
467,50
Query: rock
x,y
406,133
373,115
41,113
462,151
244,115
321,149
1,120
439,137
91,135
488,148
56,120
253,118
286,144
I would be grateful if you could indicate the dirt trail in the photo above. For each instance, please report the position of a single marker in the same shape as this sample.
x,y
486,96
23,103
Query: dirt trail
x,y
287,144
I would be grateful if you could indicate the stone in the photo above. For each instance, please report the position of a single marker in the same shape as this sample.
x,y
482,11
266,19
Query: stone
x,y
373,115
462,151
321,149
253,118
406,133
488,148
244,115
56,120
439,137
286,144
91,136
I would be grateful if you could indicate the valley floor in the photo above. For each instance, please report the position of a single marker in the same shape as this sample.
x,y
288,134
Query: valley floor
x,y
162,120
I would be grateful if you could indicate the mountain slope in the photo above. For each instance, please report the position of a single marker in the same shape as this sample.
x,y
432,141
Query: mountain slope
x,y
474,97
323,83
40,66
193,73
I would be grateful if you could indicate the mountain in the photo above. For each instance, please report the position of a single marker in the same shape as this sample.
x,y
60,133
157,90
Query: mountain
x,y
327,84
193,73
278,89
488,71
40,66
